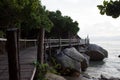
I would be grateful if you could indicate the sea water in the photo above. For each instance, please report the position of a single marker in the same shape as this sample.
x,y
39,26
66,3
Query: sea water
x,y
109,67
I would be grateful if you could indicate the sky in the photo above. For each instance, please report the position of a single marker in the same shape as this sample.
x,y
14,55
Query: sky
x,y
86,13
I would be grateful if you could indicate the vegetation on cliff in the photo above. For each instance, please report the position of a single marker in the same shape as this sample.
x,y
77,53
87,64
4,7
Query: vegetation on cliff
x,y
64,26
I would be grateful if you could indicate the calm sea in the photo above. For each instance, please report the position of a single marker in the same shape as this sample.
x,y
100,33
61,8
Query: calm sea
x,y
109,66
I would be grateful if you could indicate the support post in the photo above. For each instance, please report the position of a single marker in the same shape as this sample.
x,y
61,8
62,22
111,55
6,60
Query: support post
x,y
60,43
70,42
40,49
45,53
50,46
13,54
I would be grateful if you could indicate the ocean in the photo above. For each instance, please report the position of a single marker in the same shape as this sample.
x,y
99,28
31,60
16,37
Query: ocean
x,y
110,67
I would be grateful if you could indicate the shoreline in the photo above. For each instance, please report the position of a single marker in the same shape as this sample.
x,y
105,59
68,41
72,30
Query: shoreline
x,y
85,76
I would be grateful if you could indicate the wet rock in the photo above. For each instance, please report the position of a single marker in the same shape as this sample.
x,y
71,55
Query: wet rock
x,y
51,76
73,78
110,78
85,62
96,52
86,75
119,56
103,77
70,60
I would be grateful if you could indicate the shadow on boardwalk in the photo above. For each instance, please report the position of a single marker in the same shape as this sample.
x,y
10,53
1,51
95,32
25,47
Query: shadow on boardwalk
x,y
27,57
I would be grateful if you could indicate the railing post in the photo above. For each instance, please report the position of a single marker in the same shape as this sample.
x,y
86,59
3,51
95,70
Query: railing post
x,y
35,43
78,41
50,46
25,43
13,54
49,42
45,55
60,43
70,42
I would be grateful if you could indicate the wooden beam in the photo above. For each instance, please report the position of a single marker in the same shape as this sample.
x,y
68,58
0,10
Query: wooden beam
x,y
12,50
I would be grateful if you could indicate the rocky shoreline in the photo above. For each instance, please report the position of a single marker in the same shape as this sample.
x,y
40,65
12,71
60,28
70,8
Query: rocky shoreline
x,y
51,76
102,77
74,63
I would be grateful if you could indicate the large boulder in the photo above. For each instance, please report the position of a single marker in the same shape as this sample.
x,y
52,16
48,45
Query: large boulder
x,y
96,52
119,56
103,77
70,59
51,76
85,62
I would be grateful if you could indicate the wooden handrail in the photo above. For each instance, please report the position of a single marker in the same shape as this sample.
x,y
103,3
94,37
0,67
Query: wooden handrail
x,y
52,40
55,41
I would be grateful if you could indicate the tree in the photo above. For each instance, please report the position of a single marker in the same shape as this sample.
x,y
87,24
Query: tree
x,y
30,12
63,25
13,13
10,12
110,8
71,27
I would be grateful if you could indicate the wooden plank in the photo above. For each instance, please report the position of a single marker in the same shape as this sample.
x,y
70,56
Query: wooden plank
x,y
26,61
27,58
34,71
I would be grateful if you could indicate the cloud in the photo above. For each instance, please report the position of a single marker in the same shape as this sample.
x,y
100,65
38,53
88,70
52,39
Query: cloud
x,y
102,29
87,14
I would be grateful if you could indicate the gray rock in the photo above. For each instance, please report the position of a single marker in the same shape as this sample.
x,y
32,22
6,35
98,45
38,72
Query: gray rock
x,y
119,56
73,53
96,52
103,77
51,76
85,62
70,58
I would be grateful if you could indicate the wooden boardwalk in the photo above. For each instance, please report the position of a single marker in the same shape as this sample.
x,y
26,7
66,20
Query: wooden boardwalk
x,y
27,57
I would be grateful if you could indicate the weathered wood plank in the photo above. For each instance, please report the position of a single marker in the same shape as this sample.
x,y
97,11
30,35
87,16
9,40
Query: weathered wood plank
x,y
26,64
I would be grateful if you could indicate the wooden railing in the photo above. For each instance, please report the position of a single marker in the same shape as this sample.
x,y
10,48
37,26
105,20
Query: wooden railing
x,y
65,42
51,42
13,47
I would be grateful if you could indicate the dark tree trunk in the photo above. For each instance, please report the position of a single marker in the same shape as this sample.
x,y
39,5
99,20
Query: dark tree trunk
x,y
40,52
40,49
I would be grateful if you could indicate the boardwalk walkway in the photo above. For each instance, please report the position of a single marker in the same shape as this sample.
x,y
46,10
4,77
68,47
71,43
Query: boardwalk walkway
x,y
27,57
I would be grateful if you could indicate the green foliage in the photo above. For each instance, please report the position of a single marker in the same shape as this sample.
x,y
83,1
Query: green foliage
x,y
10,12
43,69
55,64
64,26
14,13
1,34
36,16
111,8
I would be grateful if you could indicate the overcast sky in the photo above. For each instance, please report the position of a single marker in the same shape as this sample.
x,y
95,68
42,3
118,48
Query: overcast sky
x,y
86,13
